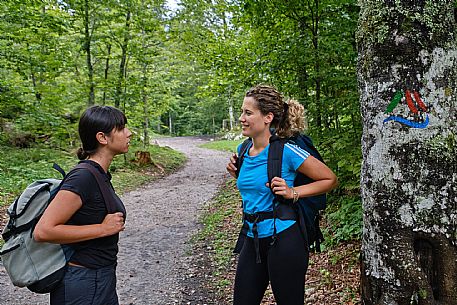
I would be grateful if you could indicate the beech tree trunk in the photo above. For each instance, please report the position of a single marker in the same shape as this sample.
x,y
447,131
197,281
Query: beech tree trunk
x,y
407,70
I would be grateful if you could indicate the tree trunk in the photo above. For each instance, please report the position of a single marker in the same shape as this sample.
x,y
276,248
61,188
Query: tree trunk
x,y
145,107
230,104
123,63
302,79
407,71
214,125
159,124
35,89
170,123
313,28
32,75
108,50
87,47
143,157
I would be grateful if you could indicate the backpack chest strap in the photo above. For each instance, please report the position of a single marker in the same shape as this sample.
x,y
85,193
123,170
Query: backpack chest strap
x,y
283,211
257,217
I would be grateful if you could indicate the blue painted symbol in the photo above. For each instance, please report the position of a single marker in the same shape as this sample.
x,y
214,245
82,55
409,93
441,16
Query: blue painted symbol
x,y
410,123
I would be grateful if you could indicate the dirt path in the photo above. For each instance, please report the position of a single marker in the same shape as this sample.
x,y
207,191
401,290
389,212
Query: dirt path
x,y
162,216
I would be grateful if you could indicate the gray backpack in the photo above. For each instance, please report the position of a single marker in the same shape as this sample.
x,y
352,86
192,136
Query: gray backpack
x,y
39,266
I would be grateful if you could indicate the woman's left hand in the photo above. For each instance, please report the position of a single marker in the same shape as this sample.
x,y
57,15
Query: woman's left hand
x,y
279,187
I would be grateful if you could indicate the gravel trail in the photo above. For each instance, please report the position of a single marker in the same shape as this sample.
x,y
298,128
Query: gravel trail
x,y
161,217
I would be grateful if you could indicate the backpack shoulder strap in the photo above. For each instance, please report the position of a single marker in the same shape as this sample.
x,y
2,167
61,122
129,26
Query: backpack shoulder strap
x,y
239,162
59,169
103,185
274,163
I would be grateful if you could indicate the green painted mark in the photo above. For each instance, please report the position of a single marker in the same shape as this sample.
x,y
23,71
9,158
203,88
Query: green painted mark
x,y
395,100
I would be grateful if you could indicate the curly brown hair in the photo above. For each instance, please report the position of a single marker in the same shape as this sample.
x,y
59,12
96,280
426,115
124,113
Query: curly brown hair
x,y
288,117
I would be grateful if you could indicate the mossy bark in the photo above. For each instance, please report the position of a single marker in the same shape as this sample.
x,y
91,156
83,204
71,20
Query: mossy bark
x,y
409,172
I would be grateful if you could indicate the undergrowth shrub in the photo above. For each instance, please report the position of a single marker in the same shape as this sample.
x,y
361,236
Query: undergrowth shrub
x,y
342,153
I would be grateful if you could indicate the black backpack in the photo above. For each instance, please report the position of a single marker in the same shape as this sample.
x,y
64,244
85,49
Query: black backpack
x,y
306,210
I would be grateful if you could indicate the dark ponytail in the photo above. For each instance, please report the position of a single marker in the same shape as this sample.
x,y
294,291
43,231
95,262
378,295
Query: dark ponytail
x,y
82,154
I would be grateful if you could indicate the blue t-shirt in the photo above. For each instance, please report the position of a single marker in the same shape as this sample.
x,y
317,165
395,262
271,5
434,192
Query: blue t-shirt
x,y
257,197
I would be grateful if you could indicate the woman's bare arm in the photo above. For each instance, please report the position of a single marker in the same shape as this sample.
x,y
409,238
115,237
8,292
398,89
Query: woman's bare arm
x,y
324,180
52,225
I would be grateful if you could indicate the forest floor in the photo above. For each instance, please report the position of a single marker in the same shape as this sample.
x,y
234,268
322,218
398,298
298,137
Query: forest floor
x,y
332,278
159,261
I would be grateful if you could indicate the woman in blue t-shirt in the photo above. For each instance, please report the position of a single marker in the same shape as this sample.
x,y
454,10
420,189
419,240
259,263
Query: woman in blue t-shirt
x,y
284,260
78,216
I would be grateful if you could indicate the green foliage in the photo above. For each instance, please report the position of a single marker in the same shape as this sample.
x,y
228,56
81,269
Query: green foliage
x,y
44,62
308,51
345,220
10,102
177,74
19,167
343,154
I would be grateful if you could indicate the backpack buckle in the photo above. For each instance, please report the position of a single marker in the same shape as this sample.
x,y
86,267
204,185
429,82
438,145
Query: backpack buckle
x,y
11,225
273,240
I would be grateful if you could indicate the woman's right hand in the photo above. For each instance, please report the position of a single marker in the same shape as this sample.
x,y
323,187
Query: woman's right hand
x,y
231,166
113,223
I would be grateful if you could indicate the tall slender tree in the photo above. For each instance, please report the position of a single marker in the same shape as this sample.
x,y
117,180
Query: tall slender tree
x,y
124,46
88,22
407,72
